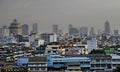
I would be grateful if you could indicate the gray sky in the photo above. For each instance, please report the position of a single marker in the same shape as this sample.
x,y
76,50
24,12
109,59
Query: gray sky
x,y
63,12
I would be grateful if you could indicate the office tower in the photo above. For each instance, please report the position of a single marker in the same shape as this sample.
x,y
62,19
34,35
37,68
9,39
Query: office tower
x,y
107,27
25,29
73,30
55,29
5,31
92,31
15,28
83,31
35,28
1,32
69,28
116,32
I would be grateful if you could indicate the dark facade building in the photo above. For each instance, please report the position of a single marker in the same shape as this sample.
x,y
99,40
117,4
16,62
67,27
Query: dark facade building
x,y
25,29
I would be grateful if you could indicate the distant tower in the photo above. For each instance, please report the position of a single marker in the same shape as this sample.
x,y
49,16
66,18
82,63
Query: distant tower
x,y
55,29
1,32
83,31
25,29
73,30
35,28
107,27
15,28
92,31
5,31
116,32
70,28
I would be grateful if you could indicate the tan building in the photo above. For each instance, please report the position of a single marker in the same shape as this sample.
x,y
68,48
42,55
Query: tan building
x,y
15,28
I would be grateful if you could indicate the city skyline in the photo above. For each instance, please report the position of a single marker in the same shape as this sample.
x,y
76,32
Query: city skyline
x,y
80,13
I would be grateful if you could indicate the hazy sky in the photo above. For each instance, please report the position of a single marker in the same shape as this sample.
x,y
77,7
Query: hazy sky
x,y
62,12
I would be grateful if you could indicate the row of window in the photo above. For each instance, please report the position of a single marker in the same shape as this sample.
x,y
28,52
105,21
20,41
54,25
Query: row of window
x,y
37,68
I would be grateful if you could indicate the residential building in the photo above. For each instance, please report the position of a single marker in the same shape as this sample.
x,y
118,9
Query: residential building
x,y
49,37
100,62
115,60
59,63
37,64
54,47
92,44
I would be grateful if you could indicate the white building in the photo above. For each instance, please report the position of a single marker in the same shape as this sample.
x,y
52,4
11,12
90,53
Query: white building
x,y
115,60
92,44
49,37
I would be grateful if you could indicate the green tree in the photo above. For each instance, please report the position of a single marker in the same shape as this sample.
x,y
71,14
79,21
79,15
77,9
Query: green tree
x,y
97,52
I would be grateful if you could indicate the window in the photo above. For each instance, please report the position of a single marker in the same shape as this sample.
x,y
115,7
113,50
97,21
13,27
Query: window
x,y
37,68
97,65
92,65
108,60
97,60
49,51
31,68
70,70
103,65
43,69
77,69
103,60
54,51
54,47
109,66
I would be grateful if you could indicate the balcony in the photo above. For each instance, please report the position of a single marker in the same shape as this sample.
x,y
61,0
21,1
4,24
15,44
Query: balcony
x,y
85,65
37,65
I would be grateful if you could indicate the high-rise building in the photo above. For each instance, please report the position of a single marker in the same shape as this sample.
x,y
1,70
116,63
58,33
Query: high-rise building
x,y
35,28
15,28
83,31
92,31
73,30
5,31
107,27
1,32
116,32
70,27
55,29
25,29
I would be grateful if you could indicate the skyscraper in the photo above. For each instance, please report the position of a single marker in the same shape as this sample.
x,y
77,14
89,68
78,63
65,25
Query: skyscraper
x,y
1,32
15,28
55,28
83,31
73,30
35,28
116,32
25,29
69,28
5,31
92,31
107,27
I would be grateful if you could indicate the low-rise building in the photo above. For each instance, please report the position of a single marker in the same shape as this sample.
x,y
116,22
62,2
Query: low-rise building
x,y
61,63
37,64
